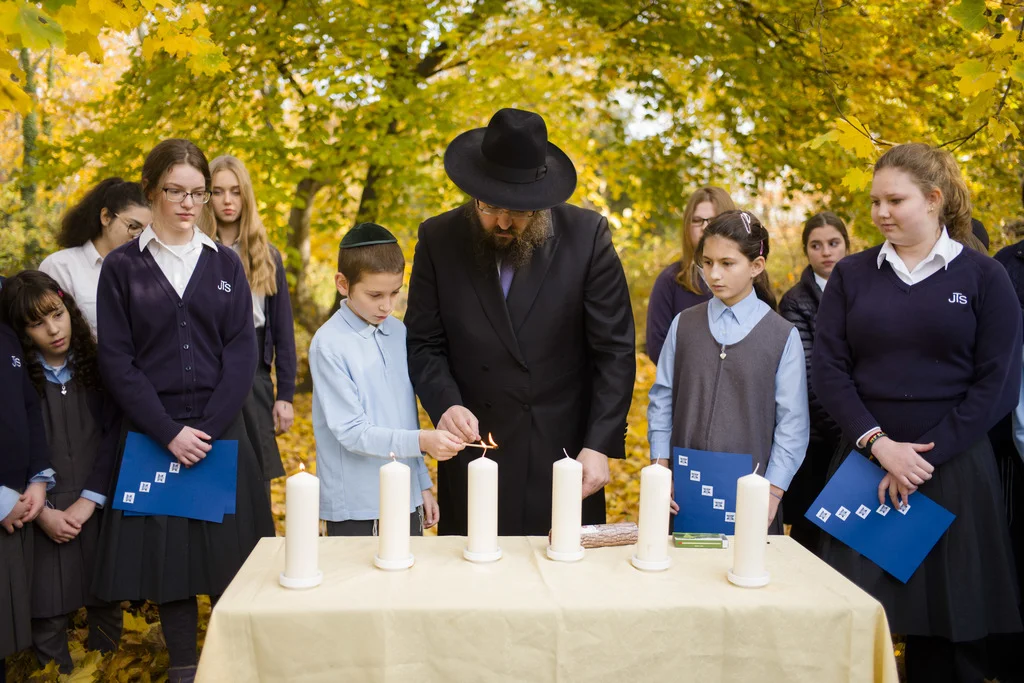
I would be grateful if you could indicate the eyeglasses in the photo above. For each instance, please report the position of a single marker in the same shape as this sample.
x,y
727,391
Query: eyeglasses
x,y
177,196
133,227
698,221
489,210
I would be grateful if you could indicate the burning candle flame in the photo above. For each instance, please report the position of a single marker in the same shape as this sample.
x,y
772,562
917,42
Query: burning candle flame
x,y
302,467
393,458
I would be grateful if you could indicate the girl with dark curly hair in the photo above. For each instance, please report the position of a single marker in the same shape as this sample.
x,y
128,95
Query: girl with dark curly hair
x,y
60,357
113,212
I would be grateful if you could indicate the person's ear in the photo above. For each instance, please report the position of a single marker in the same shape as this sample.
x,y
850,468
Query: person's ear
x,y
341,283
757,266
105,217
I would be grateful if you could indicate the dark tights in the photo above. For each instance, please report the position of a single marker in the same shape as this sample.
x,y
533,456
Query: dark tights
x,y
180,622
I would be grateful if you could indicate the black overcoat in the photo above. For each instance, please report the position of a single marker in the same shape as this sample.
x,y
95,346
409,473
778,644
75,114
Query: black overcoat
x,y
550,368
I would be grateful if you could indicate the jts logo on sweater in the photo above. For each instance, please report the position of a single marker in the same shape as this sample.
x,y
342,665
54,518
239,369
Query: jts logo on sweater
x,y
224,286
15,362
957,298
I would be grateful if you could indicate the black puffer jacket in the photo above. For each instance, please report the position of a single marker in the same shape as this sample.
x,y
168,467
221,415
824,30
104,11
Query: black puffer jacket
x,y
800,306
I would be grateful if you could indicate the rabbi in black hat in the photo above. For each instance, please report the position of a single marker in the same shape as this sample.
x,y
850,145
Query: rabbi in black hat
x,y
520,326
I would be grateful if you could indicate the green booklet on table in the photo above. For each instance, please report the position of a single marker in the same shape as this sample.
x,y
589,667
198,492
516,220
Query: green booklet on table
x,y
697,540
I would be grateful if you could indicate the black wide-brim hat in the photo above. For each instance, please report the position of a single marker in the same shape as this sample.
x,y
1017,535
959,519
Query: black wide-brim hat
x,y
510,163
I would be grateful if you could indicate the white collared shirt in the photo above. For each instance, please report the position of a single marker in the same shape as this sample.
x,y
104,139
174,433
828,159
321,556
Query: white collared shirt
x,y
821,282
939,258
77,271
177,262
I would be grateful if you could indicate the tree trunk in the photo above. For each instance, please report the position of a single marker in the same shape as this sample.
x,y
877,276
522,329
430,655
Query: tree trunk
x,y
298,253
29,133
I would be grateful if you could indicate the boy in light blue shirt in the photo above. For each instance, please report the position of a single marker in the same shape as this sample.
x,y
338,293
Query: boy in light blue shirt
x,y
364,408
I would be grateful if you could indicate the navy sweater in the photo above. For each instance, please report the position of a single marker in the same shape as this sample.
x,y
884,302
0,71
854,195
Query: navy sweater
x,y
279,345
937,362
23,449
165,359
668,299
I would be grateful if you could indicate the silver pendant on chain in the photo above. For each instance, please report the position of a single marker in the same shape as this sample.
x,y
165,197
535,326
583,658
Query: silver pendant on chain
x,y
63,390
722,354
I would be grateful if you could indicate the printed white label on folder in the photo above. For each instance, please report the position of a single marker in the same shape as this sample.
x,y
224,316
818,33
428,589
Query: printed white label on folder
x,y
684,461
129,497
823,514
904,509
144,487
718,504
707,490
883,509
730,516
695,475
842,513
160,478
863,511
175,467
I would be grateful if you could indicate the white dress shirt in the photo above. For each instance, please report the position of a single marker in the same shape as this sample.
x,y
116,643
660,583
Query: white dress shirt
x,y
77,271
820,281
176,261
939,258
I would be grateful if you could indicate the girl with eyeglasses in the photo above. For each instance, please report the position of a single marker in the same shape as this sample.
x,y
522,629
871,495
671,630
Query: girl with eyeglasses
x,y
178,355
236,223
680,286
111,213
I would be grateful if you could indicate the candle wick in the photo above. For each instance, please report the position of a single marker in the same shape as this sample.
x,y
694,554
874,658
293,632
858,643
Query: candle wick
x,y
392,454
566,453
756,467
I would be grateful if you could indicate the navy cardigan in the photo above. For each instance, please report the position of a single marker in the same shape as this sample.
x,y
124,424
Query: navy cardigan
x,y
167,359
280,334
24,452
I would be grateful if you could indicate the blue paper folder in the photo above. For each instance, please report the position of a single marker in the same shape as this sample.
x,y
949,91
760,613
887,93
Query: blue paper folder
x,y
896,540
152,482
705,489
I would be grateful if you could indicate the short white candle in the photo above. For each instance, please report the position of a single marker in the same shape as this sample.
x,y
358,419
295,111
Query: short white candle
x,y
751,540
482,510
393,525
302,529
652,538
566,509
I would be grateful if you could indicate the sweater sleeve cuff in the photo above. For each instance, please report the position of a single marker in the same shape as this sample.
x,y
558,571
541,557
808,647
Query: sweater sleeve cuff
x,y
165,433
285,391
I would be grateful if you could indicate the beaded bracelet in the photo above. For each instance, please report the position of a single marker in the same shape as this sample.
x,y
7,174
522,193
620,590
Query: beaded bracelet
x,y
872,439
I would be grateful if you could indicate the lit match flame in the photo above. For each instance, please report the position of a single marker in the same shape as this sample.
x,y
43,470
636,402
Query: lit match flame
x,y
485,446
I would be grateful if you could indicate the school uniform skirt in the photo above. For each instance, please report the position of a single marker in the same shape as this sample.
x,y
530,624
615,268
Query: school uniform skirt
x,y
63,572
15,590
258,412
966,588
162,558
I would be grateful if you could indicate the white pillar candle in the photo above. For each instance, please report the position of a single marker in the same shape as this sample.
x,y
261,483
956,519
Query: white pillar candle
x,y
302,529
566,510
393,525
482,511
652,538
751,540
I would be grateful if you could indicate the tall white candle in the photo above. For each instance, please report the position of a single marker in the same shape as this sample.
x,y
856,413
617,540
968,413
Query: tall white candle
x,y
302,528
652,538
393,526
566,510
482,511
748,566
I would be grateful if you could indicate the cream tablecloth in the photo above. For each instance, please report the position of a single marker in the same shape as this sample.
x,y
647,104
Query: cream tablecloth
x,y
527,618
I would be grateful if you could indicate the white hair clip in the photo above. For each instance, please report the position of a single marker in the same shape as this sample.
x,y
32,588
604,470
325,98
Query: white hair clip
x,y
746,220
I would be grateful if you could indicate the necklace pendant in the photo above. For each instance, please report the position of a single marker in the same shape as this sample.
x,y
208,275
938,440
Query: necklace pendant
x,y
722,355
63,390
